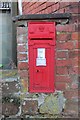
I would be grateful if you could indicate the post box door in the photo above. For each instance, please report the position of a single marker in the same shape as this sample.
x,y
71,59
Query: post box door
x,y
41,36
41,69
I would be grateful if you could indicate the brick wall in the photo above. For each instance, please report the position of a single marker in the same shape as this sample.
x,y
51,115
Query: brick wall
x,y
49,7
22,56
66,52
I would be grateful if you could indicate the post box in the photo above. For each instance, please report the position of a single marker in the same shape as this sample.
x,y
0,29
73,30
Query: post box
x,y
41,46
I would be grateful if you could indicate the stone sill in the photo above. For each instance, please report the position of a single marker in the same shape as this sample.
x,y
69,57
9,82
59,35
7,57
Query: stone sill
x,y
54,16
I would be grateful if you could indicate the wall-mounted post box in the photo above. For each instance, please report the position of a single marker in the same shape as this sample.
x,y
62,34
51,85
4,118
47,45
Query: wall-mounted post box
x,y
41,43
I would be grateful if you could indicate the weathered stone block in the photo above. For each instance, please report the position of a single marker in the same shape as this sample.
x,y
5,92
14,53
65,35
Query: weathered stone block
x,y
9,109
71,107
30,107
53,104
10,87
8,73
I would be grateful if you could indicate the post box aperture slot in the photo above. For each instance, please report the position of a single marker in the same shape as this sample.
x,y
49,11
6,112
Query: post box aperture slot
x,y
41,38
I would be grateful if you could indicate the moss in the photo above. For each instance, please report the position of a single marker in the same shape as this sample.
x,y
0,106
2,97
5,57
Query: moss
x,y
53,104
8,73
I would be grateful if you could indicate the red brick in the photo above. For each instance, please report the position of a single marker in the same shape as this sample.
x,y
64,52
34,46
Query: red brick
x,y
26,10
61,54
32,6
25,4
29,4
38,9
61,78
75,19
21,48
63,62
55,7
74,86
66,28
79,69
21,30
49,3
71,94
73,70
64,37
38,4
21,56
49,10
23,73
73,4
65,45
64,4
43,6
73,53
78,35
22,66
77,44
75,36
75,61
21,39
60,10
42,12
45,11
30,9
73,9
77,29
60,86
62,70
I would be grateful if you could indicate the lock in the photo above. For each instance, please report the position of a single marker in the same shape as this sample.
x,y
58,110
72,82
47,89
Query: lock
x,y
37,71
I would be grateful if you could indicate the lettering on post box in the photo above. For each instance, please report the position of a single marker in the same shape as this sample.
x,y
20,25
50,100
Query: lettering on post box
x,y
41,44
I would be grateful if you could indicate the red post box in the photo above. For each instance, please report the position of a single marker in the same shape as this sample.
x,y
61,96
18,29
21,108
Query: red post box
x,y
41,43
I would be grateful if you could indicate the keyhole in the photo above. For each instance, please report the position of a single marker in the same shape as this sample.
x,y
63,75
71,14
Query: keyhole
x,y
37,70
